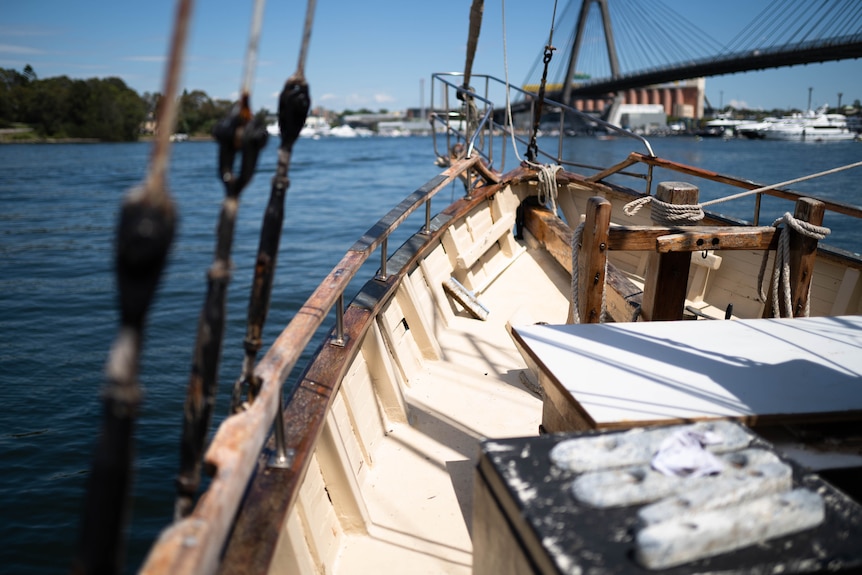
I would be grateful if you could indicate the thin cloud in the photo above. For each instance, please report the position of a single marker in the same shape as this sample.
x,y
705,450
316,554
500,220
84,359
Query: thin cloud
x,y
355,99
156,59
26,31
13,49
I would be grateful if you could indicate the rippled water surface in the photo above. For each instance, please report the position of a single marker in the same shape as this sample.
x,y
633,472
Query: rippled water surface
x,y
58,206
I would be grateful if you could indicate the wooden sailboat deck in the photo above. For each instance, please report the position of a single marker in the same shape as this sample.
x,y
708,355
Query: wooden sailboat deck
x,y
416,476
391,482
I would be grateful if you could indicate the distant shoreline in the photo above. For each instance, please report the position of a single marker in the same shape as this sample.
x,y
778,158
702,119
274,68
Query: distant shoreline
x,y
14,136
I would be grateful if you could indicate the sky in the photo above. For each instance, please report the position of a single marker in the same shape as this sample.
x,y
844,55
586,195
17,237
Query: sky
x,y
375,54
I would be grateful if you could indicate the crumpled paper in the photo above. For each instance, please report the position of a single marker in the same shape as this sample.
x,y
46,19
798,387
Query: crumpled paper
x,y
684,454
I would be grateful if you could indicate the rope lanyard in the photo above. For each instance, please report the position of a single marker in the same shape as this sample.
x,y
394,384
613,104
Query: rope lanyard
x,y
547,172
237,134
294,103
144,236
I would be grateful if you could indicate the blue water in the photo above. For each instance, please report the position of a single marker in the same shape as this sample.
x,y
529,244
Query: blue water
x,y
58,206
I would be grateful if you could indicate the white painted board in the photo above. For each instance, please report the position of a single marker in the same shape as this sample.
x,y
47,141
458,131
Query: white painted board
x,y
654,371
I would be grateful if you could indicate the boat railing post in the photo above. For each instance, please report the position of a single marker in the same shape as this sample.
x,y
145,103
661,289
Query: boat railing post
x,y
803,253
426,230
562,133
283,457
489,126
649,180
445,89
381,275
757,199
339,322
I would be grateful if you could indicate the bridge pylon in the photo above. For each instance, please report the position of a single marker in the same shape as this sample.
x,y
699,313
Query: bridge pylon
x,y
576,45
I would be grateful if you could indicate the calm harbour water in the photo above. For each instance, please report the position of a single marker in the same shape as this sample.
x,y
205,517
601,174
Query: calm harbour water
x,y
58,207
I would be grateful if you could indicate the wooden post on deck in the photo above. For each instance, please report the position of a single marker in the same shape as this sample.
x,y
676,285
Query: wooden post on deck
x,y
667,274
803,252
593,259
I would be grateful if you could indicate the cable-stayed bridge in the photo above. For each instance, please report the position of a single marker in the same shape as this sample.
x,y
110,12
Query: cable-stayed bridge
x,y
625,45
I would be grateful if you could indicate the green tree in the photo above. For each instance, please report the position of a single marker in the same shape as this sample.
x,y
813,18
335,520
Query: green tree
x,y
198,113
13,86
59,107
105,109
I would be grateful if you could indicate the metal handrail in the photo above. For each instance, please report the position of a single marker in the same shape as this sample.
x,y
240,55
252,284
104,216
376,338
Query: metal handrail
x,y
487,118
443,116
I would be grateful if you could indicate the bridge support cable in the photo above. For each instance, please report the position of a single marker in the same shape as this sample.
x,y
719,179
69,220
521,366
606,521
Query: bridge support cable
x,y
807,32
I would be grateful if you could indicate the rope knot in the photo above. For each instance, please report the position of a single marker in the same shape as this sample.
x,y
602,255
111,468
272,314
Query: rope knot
x,y
802,227
781,269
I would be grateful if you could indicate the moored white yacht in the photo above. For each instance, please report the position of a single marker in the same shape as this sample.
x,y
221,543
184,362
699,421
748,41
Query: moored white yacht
x,y
814,126
726,126
755,130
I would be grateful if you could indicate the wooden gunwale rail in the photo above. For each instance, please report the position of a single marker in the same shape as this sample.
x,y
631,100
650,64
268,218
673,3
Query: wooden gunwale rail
x,y
837,207
195,544
610,189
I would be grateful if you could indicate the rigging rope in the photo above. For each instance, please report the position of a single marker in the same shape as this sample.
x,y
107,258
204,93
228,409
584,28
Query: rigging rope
x,y
509,121
532,148
294,103
251,51
547,172
238,133
306,38
143,239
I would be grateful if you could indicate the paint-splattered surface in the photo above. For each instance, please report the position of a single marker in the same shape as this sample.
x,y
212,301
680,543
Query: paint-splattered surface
x,y
573,538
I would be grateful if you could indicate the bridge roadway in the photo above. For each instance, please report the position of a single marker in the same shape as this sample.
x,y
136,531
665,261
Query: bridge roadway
x,y
835,49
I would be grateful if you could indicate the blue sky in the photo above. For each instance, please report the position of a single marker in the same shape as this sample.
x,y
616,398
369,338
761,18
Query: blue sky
x,y
367,53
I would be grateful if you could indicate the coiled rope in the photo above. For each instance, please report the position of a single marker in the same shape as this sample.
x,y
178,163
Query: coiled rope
x,y
145,232
666,214
547,183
